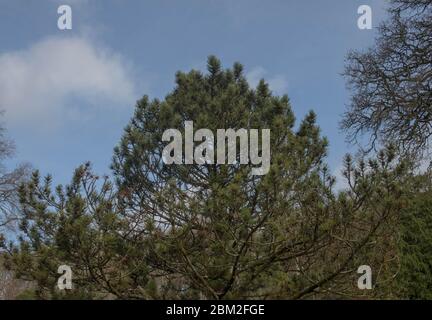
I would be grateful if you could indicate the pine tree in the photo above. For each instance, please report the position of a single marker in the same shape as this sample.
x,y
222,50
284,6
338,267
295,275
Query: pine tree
x,y
212,230
414,278
216,231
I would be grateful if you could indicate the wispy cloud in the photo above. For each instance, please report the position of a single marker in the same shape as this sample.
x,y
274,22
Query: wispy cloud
x,y
278,83
341,182
42,80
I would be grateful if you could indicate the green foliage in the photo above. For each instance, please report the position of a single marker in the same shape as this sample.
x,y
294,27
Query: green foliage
x,y
415,275
213,231
217,227
75,226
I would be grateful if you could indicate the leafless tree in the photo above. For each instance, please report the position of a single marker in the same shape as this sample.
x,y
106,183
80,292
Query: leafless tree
x,y
9,183
392,81
10,287
9,212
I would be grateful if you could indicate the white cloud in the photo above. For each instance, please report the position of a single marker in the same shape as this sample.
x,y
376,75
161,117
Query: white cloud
x,y
41,81
341,182
278,83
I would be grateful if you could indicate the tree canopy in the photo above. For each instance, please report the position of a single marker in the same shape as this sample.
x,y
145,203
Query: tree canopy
x,y
214,231
391,82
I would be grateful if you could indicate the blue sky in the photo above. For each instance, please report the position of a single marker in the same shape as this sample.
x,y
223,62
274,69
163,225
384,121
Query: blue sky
x,y
67,95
